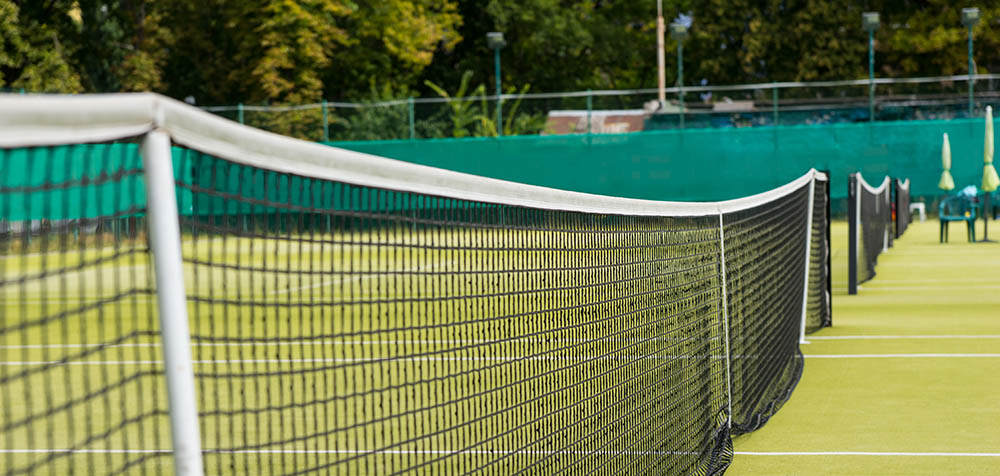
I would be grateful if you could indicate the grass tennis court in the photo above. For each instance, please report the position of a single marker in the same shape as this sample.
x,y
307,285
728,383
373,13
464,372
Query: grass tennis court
x,y
910,367
290,399
372,326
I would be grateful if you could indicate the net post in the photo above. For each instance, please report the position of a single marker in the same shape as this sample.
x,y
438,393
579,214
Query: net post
x,y
895,206
725,322
829,251
886,236
805,286
853,203
165,243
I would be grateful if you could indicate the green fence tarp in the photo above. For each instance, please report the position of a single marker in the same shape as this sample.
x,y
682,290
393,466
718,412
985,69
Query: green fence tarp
x,y
707,164
71,182
695,164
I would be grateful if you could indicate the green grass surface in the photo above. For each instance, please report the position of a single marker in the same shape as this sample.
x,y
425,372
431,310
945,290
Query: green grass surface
x,y
862,404
897,404
285,386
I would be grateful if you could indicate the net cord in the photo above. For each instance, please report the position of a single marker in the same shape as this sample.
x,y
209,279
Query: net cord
x,y
57,119
873,190
725,321
172,303
805,286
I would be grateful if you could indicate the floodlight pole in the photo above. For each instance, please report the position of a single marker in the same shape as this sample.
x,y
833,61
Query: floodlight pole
x,y
971,72
680,78
495,41
970,18
496,67
870,21
871,76
661,58
679,32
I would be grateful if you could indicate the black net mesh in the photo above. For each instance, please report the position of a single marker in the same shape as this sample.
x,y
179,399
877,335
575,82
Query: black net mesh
x,y
343,329
365,331
902,204
81,390
765,247
818,306
875,222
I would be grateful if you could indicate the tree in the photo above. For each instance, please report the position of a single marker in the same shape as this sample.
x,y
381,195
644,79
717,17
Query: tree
x,y
32,53
555,45
390,42
256,52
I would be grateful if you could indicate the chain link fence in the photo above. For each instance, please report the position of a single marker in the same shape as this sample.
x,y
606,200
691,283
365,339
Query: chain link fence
x,y
622,111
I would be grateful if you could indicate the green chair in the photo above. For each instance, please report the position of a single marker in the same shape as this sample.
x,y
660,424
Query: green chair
x,y
957,208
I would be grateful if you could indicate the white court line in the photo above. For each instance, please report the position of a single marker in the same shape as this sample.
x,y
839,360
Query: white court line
x,y
365,277
937,281
480,452
903,337
860,453
329,342
897,356
351,452
336,360
873,287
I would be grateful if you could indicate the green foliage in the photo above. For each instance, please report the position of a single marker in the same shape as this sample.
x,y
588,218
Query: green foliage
x,y
287,52
376,122
469,120
31,53
514,123
391,42
556,45
463,114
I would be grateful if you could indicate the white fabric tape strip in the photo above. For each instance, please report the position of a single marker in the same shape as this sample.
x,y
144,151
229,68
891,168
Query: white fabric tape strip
x,y
58,119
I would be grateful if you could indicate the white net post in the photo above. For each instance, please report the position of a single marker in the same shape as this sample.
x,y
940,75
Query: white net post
x,y
165,243
805,286
725,322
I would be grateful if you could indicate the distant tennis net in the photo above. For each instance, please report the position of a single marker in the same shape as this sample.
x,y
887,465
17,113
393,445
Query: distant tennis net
x,y
178,287
901,193
875,219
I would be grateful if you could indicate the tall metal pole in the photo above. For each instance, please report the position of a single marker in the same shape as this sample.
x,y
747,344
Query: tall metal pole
x,y
970,18
871,75
661,58
774,104
590,110
326,122
680,78
972,71
496,67
412,119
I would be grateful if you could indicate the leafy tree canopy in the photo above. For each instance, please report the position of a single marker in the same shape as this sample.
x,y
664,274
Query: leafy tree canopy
x,y
289,51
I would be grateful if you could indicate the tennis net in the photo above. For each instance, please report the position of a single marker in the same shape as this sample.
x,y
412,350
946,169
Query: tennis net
x,y
869,227
818,312
901,190
181,289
